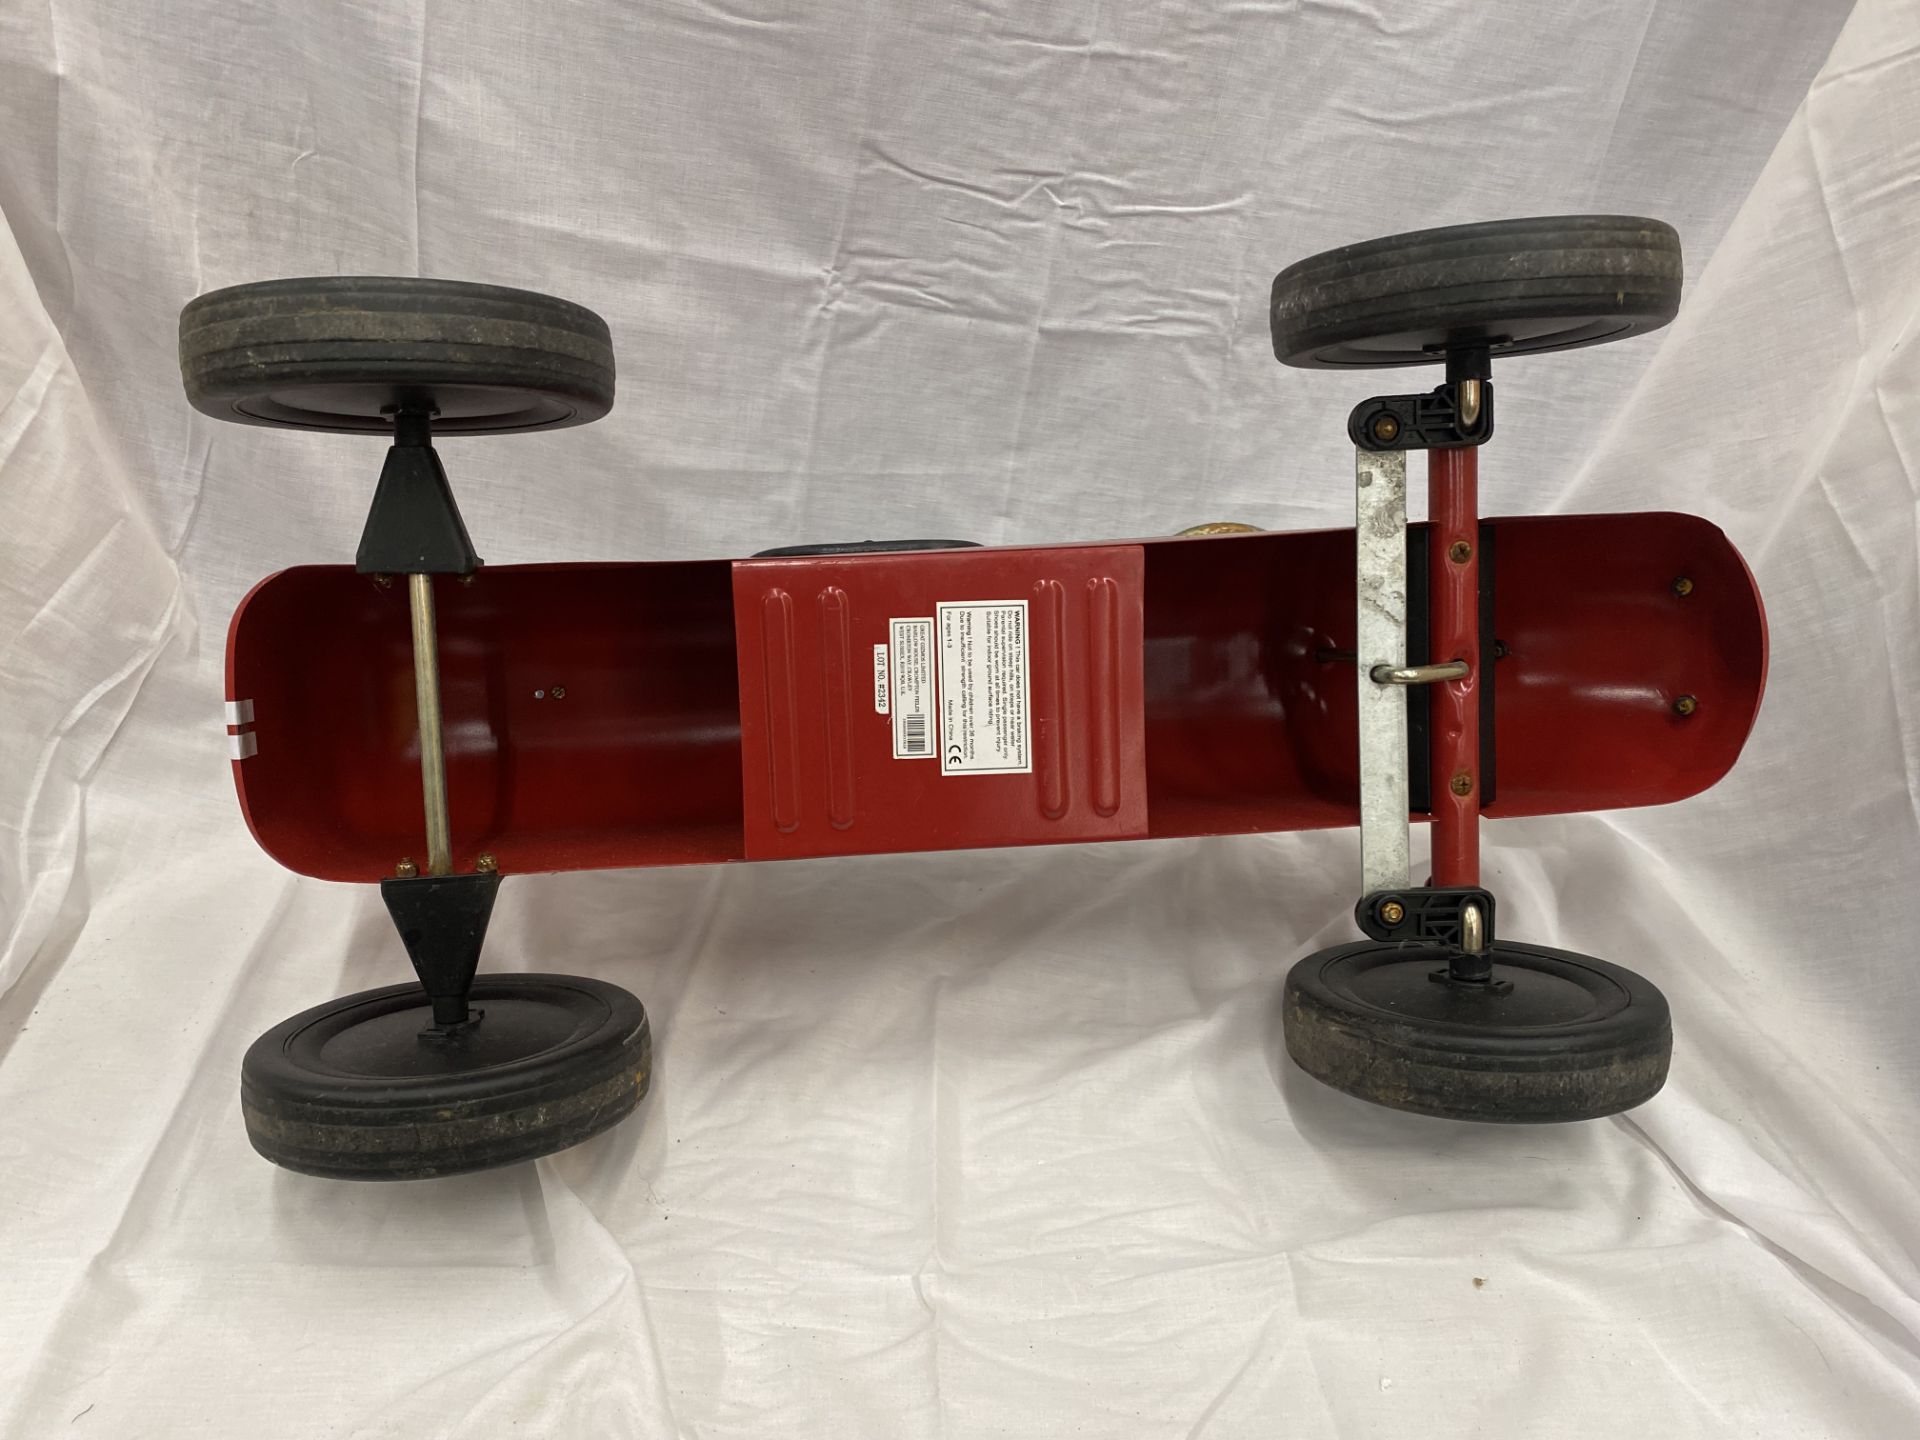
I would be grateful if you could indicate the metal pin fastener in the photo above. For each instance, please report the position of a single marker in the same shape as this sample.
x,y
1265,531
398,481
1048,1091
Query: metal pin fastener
x,y
1473,929
1420,674
1469,403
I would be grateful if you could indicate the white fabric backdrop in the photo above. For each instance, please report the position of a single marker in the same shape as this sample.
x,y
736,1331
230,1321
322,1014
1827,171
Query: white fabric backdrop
x,y
987,1143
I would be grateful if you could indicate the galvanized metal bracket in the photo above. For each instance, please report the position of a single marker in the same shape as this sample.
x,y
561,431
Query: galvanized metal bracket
x,y
1380,586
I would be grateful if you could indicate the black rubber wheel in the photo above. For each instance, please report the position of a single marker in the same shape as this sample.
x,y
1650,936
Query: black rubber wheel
x,y
352,1090
1516,287
1573,1038
338,352
861,547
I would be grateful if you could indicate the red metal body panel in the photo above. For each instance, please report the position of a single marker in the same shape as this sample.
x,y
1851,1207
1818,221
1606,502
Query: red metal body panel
x,y
637,763
1453,514
806,631
594,713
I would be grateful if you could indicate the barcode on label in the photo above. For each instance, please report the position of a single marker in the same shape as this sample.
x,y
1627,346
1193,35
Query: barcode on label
x,y
910,678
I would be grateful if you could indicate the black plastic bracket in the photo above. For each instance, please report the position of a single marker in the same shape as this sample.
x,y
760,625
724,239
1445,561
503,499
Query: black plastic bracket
x,y
413,526
1432,420
1429,915
442,920
1418,422
1432,915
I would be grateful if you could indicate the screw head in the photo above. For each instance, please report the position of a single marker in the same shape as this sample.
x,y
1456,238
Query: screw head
x,y
467,579
1461,784
1685,705
1392,912
1386,428
385,582
405,870
486,864
1459,552
1683,587
558,692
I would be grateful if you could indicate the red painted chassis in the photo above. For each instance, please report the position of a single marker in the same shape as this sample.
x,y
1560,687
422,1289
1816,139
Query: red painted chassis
x,y
684,712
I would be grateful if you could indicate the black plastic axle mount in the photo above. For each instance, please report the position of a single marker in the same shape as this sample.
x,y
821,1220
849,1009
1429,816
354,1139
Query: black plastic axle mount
x,y
1459,411
1435,915
413,526
1423,914
442,920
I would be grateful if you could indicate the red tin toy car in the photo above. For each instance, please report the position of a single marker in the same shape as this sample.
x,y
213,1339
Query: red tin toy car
x,y
420,722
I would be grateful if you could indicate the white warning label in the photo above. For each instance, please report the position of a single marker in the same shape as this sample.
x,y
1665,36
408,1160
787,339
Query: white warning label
x,y
911,674
985,728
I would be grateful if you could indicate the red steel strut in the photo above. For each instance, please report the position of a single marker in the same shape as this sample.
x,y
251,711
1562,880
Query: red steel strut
x,y
1453,608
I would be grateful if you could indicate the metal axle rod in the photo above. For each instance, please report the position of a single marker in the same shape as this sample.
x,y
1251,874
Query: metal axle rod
x,y
426,694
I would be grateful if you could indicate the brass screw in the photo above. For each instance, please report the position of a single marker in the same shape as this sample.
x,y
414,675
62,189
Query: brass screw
x,y
406,869
486,864
1459,552
1685,705
1392,912
467,579
385,582
1386,429
1462,784
558,692
1683,587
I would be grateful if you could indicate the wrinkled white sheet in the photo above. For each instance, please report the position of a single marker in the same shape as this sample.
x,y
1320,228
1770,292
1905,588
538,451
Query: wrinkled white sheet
x,y
988,1143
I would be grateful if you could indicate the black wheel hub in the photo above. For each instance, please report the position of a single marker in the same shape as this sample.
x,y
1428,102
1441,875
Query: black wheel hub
x,y
1549,1036
367,1088
1506,287
343,352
